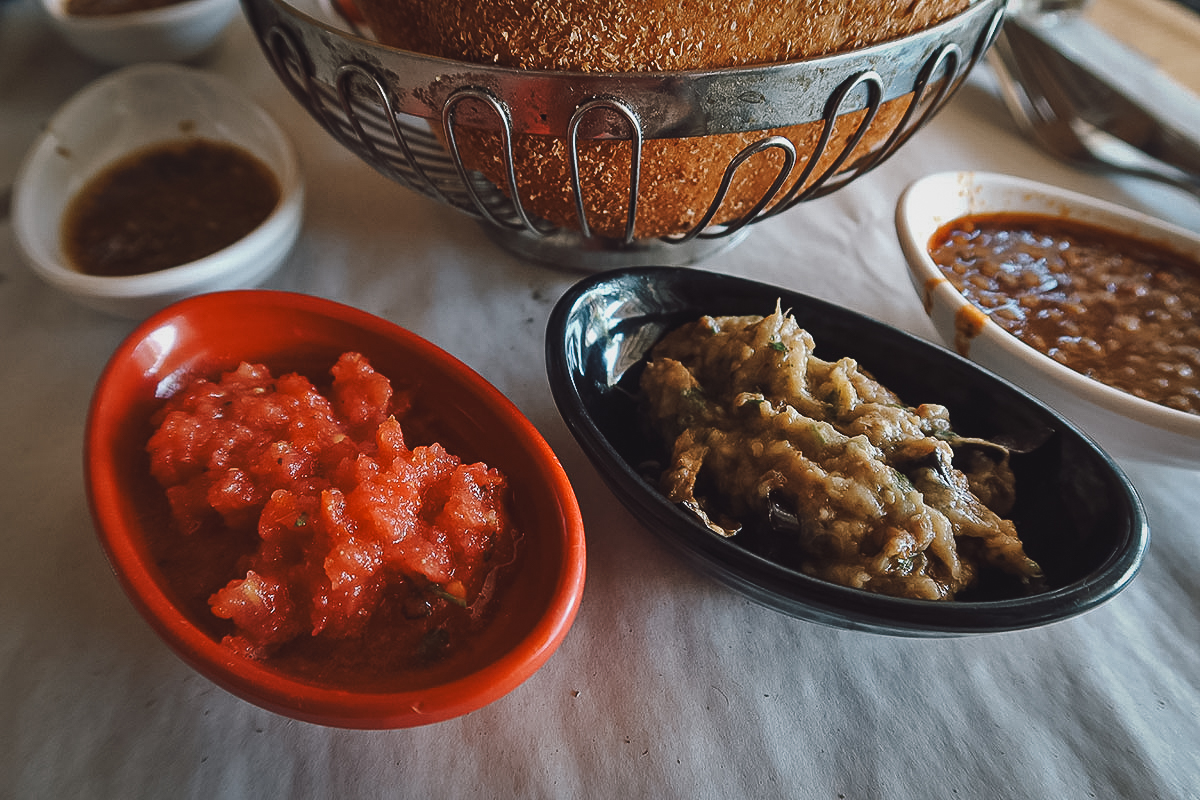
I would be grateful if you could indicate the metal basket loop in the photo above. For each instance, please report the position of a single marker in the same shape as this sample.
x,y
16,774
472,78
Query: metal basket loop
x,y
503,115
871,81
637,138
414,175
946,62
288,59
989,35
700,229
802,189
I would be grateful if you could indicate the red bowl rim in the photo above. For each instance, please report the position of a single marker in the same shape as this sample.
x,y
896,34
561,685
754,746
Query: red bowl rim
x,y
268,688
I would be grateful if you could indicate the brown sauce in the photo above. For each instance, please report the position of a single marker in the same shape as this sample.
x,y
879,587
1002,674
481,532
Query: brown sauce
x,y
1118,309
101,8
167,205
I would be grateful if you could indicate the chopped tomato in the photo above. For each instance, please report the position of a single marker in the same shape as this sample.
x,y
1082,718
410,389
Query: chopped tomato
x,y
345,523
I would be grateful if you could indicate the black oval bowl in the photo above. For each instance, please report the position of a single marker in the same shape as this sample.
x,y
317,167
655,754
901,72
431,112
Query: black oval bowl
x,y
1077,513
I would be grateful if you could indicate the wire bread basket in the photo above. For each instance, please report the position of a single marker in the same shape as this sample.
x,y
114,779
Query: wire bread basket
x,y
408,116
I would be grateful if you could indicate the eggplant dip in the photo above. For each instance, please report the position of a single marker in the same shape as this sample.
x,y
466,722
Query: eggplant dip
x,y
761,431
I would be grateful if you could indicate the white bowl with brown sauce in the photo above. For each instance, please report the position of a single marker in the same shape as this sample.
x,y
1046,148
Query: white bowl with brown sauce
x,y
1077,515
1085,332
121,32
218,202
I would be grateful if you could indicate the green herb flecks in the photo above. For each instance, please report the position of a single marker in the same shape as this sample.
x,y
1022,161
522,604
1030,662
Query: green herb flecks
x,y
902,480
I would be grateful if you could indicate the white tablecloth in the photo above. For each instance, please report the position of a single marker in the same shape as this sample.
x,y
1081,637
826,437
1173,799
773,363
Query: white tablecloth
x,y
668,685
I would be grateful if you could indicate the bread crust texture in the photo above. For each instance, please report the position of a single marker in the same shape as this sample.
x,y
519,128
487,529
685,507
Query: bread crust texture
x,y
680,177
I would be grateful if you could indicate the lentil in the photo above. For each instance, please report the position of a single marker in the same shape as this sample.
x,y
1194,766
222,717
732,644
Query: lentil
x,y
1116,308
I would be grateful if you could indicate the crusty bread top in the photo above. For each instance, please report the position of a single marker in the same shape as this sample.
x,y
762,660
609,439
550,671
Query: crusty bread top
x,y
645,35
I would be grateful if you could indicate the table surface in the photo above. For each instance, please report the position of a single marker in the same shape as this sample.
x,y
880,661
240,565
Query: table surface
x,y
1166,31
668,684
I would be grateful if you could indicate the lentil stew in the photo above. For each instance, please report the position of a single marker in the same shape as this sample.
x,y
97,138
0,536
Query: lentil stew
x,y
1118,309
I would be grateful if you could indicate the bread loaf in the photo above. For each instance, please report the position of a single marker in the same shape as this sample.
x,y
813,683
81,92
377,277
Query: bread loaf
x,y
679,177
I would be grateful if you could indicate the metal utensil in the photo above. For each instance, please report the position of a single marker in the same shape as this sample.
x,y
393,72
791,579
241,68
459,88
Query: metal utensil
x,y
1116,89
1062,106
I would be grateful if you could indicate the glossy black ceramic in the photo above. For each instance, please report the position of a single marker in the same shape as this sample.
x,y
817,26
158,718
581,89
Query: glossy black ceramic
x,y
1077,513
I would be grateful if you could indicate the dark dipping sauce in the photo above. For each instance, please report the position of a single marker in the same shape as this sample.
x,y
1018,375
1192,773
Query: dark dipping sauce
x,y
102,8
167,205
1115,308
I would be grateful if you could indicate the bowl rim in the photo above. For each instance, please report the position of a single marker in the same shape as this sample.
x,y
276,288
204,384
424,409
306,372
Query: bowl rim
x,y
174,13
916,222
760,577
257,682
280,224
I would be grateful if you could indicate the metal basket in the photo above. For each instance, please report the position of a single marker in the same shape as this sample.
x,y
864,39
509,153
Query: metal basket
x,y
403,113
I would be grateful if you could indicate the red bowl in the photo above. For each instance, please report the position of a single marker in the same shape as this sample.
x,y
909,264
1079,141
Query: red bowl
x,y
208,334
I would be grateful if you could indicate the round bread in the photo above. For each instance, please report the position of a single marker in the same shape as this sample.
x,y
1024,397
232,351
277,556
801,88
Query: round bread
x,y
679,177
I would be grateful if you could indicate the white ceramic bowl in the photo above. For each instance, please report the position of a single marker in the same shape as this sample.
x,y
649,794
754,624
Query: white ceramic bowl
x,y
177,32
125,111
1119,421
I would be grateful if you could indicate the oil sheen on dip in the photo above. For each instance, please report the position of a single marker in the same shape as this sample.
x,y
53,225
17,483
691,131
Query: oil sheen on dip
x,y
166,205
1118,309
